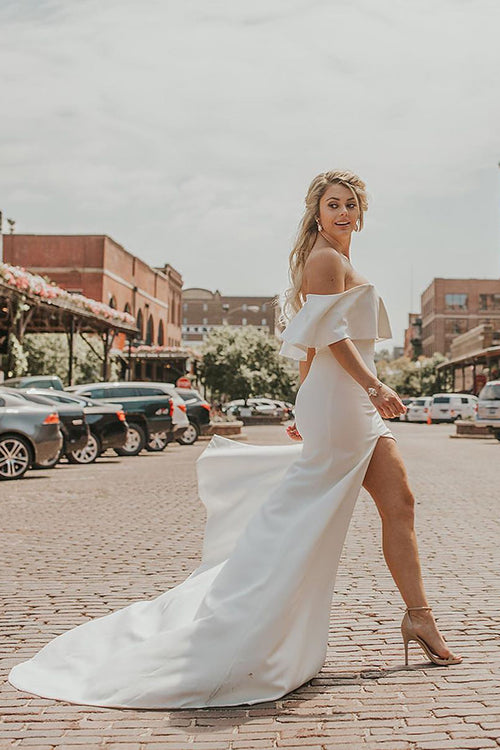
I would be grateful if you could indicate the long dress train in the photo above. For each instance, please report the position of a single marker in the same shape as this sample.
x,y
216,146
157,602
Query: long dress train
x,y
250,624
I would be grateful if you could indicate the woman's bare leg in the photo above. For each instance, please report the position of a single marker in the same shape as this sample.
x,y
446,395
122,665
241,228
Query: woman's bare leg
x,y
387,482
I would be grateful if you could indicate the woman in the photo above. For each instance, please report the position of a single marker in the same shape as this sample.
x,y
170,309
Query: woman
x,y
320,264
251,623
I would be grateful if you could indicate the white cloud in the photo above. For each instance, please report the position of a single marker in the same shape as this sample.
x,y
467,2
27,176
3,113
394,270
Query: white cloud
x,y
189,131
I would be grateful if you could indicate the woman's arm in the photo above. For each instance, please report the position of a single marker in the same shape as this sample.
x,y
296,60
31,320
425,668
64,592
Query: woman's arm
x,y
305,365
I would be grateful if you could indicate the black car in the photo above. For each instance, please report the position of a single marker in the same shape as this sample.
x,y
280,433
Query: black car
x,y
29,433
35,381
146,415
74,426
198,413
107,423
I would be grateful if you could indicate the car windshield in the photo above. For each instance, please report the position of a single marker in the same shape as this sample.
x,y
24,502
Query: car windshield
x,y
490,392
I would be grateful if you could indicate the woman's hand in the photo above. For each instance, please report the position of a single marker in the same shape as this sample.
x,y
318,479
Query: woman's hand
x,y
293,432
388,403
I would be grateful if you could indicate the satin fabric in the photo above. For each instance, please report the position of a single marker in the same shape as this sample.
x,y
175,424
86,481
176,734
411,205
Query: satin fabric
x,y
250,624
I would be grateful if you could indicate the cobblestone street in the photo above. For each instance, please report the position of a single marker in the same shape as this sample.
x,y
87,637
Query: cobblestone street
x,y
79,542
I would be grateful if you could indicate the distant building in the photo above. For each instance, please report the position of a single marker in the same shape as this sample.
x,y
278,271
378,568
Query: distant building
x,y
100,268
203,310
413,336
451,307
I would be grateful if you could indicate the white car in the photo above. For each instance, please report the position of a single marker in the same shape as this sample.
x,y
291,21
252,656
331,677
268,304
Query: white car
x,y
418,410
488,407
446,407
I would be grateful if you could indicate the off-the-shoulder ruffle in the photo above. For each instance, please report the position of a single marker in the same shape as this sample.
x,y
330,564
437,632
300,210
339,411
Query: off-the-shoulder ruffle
x,y
356,313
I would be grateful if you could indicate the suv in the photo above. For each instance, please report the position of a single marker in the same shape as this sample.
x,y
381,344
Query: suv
x,y
198,414
147,409
180,420
488,407
34,381
446,407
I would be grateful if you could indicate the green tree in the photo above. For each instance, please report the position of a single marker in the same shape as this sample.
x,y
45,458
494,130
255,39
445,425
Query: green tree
x,y
244,362
48,354
411,377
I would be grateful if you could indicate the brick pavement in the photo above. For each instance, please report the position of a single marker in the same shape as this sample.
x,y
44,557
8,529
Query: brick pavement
x,y
79,542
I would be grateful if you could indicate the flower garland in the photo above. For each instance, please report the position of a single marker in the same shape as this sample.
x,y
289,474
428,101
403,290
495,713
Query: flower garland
x,y
33,284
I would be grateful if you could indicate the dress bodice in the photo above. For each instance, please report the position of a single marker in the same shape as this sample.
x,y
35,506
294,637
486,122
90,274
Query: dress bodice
x,y
356,313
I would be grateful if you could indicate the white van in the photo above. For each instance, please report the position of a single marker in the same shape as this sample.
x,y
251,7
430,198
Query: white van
x,y
446,407
418,410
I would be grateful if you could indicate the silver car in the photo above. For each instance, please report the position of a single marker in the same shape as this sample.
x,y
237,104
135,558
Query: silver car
x,y
29,433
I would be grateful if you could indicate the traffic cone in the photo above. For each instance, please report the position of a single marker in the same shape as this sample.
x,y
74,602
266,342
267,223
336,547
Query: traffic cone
x,y
429,420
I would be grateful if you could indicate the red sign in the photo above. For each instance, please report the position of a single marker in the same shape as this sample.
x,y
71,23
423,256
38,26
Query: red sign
x,y
183,383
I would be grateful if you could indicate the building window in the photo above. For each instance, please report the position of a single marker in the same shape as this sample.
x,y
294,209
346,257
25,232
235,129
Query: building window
x,y
264,306
224,321
205,307
263,322
489,301
161,335
243,321
150,331
185,305
185,320
244,308
140,324
205,321
456,301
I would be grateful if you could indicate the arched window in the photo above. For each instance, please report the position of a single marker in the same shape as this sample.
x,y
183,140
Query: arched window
x,y
150,332
112,302
127,308
140,323
161,335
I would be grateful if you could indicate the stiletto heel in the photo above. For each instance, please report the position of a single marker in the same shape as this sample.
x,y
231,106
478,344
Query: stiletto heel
x,y
409,634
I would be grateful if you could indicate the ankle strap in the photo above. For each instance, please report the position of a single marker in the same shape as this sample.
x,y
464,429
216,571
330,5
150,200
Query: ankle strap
x,y
409,609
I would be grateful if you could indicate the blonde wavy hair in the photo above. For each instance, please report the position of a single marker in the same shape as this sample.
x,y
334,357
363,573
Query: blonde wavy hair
x,y
308,231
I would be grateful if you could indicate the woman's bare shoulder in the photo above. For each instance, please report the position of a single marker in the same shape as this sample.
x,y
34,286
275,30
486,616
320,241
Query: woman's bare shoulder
x,y
324,272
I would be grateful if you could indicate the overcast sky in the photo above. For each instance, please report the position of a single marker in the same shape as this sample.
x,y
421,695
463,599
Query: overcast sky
x,y
189,132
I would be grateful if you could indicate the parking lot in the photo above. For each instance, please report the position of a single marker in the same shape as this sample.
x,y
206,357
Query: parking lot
x,y
82,541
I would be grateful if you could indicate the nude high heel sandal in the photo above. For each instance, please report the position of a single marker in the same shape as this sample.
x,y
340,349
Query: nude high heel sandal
x,y
409,634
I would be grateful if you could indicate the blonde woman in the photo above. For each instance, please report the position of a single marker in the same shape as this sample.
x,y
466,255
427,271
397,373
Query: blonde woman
x,y
320,264
251,623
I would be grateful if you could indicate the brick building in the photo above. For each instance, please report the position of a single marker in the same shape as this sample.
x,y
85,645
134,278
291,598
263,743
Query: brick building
x,y
100,268
203,310
412,347
453,306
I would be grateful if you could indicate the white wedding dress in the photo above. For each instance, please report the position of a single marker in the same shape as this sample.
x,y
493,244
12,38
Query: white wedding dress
x,y
250,624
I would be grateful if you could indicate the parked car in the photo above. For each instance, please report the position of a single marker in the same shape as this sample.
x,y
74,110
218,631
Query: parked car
x,y
29,433
447,407
107,424
73,425
198,414
147,414
488,407
261,406
34,381
418,410
180,420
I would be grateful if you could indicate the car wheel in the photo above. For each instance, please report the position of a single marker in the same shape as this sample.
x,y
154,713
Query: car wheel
x,y
15,457
48,464
157,442
136,441
191,435
88,454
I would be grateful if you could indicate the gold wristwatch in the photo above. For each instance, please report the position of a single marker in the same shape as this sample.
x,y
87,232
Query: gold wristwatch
x,y
372,391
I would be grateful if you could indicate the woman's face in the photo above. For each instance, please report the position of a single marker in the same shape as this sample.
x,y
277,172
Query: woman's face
x,y
338,211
